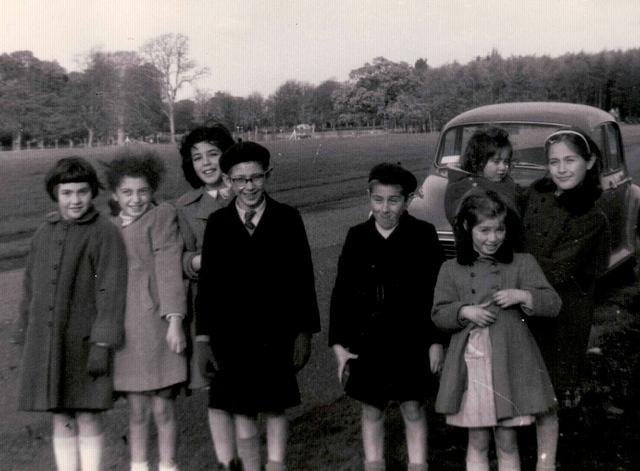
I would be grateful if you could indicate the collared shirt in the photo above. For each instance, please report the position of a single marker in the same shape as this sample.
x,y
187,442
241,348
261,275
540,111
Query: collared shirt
x,y
257,216
385,232
223,192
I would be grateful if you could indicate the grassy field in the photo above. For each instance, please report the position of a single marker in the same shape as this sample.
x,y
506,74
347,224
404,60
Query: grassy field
x,y
308,174
325,178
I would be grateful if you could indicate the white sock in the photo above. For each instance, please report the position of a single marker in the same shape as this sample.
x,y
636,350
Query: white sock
x,y
477,465
162,467
508,462
139,466
65,450
90,452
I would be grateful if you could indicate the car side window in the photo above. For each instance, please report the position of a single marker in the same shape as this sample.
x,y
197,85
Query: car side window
x,y
611,146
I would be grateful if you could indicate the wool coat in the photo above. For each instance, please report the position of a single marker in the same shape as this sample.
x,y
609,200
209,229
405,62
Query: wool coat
x,y
254,308
381,304
155,289
461,182
521,383
74,296
194,208
571,243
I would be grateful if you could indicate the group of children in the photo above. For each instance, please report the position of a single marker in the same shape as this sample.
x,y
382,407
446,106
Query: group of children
x,y
217,291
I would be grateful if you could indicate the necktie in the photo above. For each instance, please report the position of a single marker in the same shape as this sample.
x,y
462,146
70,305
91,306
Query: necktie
x,y
248,216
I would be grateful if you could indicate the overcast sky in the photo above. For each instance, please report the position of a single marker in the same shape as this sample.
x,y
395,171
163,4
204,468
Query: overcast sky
x,y
256,45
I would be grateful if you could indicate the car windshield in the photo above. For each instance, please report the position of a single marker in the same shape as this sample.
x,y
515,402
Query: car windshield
x,y
527,140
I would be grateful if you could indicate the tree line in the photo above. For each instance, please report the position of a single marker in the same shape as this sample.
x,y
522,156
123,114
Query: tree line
x,y
122,95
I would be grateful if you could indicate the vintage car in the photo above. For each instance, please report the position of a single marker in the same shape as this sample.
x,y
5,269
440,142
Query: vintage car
x,y
528,124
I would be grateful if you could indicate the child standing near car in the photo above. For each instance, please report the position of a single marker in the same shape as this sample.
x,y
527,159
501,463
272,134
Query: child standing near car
x,y
493,378
256,307
485,164
71,316
151,366
569,235
384,342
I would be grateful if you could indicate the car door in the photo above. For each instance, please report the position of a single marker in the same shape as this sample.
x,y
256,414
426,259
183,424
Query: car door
x,y
615,184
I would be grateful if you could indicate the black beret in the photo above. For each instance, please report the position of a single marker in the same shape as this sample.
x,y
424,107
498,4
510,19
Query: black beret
x,y
244,151
393,174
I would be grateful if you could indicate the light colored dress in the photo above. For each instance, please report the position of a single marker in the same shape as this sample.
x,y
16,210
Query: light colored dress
x,y
155,289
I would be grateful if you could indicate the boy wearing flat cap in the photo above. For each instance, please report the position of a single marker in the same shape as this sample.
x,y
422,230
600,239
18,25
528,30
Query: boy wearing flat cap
x,y
258,276
380,317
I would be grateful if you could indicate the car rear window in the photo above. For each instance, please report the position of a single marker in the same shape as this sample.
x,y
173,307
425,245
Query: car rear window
x,y
527,140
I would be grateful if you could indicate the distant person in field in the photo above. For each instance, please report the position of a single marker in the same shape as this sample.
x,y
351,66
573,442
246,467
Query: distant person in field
x,y
494,378
256,305
485,164
200,151
569,236
71,316
151,367
386,346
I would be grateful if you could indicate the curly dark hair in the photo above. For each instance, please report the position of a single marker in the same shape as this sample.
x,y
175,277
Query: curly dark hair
x,y
71,170
476,206
482,145
215,134
132,163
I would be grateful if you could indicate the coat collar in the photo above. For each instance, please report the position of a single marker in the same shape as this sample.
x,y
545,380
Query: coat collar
x,y
55,217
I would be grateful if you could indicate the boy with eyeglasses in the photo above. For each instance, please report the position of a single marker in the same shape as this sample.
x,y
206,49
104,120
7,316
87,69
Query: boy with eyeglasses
x,y
256,306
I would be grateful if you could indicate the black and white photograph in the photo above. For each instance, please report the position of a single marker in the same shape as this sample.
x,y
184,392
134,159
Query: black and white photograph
x,y
339,235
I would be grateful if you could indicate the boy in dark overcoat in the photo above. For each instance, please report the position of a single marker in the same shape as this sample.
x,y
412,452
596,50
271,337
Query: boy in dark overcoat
x,y
256,306
380,314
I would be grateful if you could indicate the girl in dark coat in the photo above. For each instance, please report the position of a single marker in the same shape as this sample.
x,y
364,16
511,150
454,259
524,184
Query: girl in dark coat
x,y
71,315
569,237
493,376
200,151
151,365
485,164
380,329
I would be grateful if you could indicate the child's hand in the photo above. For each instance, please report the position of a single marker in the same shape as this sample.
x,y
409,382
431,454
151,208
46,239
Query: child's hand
x,y
510,297
196,263
98,361
175,335
301,350
436,358
478,314
342,356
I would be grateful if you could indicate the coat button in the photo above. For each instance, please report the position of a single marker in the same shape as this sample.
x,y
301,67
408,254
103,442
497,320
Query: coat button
x,y
472,274
51,308
473,291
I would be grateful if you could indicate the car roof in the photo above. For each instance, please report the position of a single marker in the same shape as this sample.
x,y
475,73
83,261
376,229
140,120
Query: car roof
x,y
566,114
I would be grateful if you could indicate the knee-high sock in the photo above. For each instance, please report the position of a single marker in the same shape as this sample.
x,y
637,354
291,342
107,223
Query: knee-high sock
x,y
249,453
374,466
90,452
275,466
65,450
139,466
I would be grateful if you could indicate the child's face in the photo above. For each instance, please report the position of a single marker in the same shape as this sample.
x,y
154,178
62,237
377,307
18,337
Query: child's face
x,y
134,196
497,167
566,167
488,235
247,180
205,159
74,199
387,204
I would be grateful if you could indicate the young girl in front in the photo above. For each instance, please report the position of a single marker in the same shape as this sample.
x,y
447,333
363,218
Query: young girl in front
x,y
485,164
71,316
494,378
151,366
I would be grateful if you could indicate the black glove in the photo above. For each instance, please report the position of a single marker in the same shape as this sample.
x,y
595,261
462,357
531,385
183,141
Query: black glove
x,y
206,361
301,350
98,361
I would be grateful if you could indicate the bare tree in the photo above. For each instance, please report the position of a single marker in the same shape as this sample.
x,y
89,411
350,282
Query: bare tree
x,y
169,55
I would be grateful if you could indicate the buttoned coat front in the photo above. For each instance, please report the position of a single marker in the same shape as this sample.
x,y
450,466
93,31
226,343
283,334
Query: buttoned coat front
x,y
521,383
194,208
74,296
254,308
155,289
572,247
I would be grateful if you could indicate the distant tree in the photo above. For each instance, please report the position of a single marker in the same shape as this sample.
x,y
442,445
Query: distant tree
x,y
184,115
32,97
322,104
169,54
